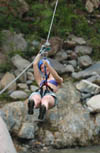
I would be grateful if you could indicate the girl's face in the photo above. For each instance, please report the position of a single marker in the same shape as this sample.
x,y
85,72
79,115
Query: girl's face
x,y
43,69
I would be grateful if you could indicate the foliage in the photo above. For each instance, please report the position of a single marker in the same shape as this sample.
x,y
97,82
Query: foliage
x,y
4,96
5,67
14,52
67,20
95,43
30,51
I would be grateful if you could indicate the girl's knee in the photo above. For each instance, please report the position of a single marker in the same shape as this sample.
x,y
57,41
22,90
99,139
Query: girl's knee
x,y
37,100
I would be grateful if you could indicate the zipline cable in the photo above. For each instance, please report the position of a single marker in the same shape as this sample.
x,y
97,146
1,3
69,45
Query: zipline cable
x,y
16,78
52,21
33,61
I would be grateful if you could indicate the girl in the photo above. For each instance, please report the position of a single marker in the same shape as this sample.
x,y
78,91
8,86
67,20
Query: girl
x,y
45,97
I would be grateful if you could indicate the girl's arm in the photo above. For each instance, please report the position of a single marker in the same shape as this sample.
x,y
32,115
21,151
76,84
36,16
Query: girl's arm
x,y
53,72
37,74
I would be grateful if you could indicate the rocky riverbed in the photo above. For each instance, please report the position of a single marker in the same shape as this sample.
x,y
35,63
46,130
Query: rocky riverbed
x,y
70,124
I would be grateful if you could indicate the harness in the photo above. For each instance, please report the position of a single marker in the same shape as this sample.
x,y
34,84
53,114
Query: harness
x,y
42,91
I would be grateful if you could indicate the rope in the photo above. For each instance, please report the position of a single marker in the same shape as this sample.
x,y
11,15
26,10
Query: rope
x,y
41,51
52,21
16,78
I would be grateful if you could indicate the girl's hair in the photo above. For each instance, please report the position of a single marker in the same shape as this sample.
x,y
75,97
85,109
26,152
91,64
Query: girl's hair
x,y
41,62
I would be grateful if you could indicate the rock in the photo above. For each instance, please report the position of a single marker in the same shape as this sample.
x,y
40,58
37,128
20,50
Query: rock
x,y
27,131
94,103
6,144
60,56
72,41
69,44
56,45
22,86
13,42
83,50
73,63
84,61
77,40
30,76
18,121
3,58
69,69
91,4
85,85
94,79
23,77
90,71
19,62
7,79
33,88
60,68
18,94
49,138
35,43
24,8
66,125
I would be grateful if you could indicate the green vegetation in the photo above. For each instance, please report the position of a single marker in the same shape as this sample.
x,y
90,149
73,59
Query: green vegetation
x,y
4,96
71,17
5,67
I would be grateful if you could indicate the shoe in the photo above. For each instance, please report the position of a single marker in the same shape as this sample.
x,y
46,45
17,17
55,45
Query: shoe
x,y
31,106
42,112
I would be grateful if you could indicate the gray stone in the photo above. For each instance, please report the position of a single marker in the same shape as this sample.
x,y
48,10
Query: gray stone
x,y
6,143
84,61
19,62
83,50
18,94
13,41
86,85
27,131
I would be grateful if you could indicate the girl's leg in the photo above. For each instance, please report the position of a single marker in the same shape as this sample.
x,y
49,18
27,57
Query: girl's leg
x,y
34,102
47,102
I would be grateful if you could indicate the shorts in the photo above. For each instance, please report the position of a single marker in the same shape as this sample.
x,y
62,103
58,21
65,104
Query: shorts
x,y
46,93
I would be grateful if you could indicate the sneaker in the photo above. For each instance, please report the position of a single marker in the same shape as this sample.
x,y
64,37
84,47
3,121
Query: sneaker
x,y
31,106
42,112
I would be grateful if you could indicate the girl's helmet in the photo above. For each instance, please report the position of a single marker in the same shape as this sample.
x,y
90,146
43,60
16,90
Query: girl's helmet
x,y
41,62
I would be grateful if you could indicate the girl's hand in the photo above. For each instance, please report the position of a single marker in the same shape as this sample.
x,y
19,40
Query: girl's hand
x,y
45,62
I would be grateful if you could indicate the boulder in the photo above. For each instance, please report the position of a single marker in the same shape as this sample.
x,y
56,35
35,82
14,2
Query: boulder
x,y
93,103
6,143
18,94
87,86
19,62
6,80
83,50
91,5
69,124
13,41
